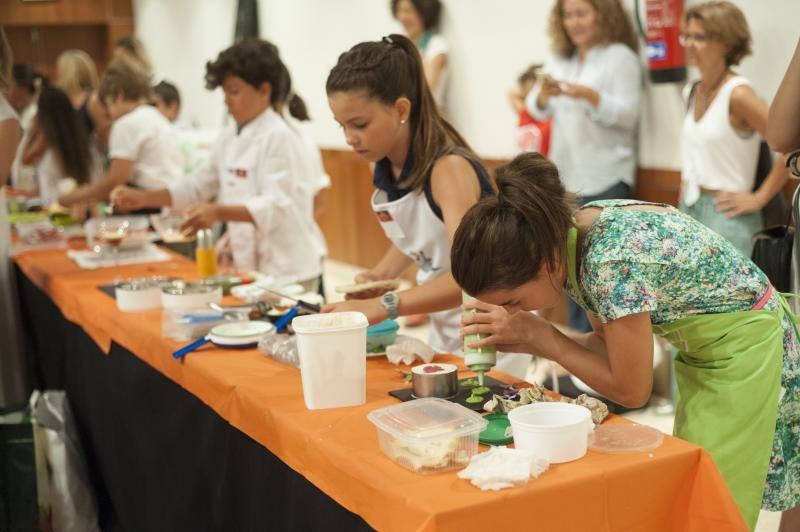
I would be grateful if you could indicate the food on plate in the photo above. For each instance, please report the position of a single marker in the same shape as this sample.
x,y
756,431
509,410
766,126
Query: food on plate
x,y
388,285
536,394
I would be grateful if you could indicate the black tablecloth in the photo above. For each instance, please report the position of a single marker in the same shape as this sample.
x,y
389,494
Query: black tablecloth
x,y
160,459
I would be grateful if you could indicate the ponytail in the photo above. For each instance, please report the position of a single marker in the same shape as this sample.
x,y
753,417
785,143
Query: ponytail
x,y
297,108
390,69
503,241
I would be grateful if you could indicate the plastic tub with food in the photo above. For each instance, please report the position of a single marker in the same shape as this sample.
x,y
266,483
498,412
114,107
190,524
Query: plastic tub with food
x,y
428,435
381,335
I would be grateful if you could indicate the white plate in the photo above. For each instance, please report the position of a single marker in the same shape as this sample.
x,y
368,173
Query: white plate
x,y
242,329
400,338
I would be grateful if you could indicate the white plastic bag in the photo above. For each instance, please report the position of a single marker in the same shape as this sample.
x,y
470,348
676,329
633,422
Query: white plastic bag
x,y
67,485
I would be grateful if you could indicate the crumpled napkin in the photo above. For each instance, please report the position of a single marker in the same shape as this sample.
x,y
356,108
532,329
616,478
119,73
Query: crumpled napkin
x,y
501,467
409,350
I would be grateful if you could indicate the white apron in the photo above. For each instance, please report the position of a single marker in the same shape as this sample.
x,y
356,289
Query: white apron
x,y
412,226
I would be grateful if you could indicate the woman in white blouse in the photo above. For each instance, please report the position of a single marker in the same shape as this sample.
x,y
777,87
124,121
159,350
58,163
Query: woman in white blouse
x,y
591,88
11,376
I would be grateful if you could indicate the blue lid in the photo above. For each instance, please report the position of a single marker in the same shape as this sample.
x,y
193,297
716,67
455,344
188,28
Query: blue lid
x,y
384,327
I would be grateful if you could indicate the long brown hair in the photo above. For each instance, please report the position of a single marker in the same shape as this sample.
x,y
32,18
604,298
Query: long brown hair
x,y
503,241
390,69
65,134
6,60
613,25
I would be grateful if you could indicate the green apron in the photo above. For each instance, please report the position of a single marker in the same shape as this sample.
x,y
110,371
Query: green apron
x,y
728,371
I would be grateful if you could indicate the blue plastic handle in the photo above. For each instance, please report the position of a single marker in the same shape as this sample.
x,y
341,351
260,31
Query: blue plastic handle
x,y
183,351
284,320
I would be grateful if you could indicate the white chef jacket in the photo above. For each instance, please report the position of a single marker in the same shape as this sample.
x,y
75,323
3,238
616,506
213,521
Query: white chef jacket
x,y
260,167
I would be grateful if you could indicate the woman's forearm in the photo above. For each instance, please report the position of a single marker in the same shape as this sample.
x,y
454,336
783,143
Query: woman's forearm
x,y
440,294
588,360
783,124
393,263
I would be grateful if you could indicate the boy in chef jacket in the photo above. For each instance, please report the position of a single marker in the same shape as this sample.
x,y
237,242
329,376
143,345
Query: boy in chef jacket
x,y
143,147
255,172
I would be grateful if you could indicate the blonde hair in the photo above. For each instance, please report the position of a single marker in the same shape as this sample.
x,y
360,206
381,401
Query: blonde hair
x,y
725,23
76,72
613,25
6,60
126,76
136,51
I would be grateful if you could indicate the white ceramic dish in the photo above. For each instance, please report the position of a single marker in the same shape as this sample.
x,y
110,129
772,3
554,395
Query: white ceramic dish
x,y
240,334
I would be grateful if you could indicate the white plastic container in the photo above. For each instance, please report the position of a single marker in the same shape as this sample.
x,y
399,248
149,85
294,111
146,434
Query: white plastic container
x,y
138,296
556,431
332,349
428,435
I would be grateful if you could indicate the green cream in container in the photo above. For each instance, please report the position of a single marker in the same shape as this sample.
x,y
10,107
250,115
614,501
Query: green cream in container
x,y
482,359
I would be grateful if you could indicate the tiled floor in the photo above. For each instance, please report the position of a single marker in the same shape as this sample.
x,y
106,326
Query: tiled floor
x,y
338,273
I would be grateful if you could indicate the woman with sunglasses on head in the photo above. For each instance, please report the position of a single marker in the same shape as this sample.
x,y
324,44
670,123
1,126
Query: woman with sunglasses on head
x,y
723,127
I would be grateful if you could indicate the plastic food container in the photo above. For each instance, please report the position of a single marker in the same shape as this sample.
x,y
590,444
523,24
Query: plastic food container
x,y
183,295
188,324
556,431
428,435
333,358
40,232
382,335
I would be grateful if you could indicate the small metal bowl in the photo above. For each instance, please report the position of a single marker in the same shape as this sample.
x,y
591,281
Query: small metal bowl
x,y
439,383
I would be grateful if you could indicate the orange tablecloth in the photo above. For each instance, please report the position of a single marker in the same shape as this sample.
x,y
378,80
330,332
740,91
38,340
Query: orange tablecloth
x,y
675,487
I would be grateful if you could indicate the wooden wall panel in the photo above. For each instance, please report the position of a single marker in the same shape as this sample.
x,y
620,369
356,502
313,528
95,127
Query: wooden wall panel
x,y
658,186
56,12
351,229
39,31
41,45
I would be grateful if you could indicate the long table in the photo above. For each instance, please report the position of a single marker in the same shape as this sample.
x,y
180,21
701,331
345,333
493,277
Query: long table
x,y
223,440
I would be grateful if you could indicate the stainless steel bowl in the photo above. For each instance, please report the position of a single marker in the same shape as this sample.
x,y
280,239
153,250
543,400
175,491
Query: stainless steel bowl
x,y
439,384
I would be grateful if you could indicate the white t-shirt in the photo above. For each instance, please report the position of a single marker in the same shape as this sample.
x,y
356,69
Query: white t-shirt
x,y
145,137
594,148
430,48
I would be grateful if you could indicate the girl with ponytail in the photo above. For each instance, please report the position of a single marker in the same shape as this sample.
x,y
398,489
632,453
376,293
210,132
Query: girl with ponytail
x,y
256,178
637,269
426,177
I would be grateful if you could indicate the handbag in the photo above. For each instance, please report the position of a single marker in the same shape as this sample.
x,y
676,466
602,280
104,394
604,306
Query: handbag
x,y
772,250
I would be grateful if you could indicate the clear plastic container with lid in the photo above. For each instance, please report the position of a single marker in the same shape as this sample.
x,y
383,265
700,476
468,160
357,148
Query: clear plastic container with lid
x,y
428,435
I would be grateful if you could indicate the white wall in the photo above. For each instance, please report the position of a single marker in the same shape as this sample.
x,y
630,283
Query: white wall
x,y
491,41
